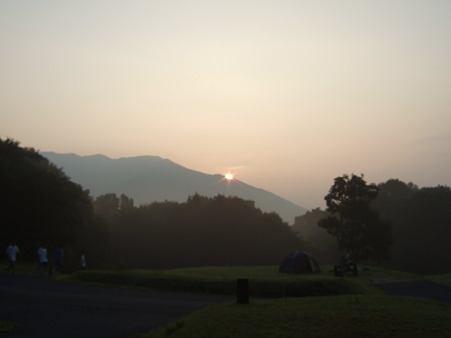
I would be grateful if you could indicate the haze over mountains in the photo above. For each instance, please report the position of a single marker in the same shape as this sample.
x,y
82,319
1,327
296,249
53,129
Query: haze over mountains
x,y
148,179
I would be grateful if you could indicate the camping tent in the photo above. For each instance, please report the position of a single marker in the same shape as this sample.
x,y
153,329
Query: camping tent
x,y
299,262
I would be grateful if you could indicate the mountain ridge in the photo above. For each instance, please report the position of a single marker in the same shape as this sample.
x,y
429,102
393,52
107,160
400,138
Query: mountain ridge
x,y
149,179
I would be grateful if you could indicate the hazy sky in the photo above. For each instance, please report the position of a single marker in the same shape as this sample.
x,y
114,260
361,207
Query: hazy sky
x,y
286,94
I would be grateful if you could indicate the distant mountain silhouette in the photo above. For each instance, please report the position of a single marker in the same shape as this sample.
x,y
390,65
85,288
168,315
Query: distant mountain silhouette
x,y
147,179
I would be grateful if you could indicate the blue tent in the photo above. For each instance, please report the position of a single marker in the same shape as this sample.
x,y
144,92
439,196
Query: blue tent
x,y
299,262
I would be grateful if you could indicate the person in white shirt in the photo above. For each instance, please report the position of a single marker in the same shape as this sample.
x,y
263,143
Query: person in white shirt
x,y
12,251
82,262
43,261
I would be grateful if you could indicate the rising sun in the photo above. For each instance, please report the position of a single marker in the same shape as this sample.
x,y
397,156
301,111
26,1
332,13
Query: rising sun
x,y
228,176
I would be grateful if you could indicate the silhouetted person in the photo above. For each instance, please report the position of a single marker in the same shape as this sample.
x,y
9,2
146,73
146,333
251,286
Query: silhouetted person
x,y
43,261
58,254
12,251
82,262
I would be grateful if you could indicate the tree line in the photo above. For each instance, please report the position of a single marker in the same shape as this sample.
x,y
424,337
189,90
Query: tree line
x,y
203,231
408,229
395,224
42,206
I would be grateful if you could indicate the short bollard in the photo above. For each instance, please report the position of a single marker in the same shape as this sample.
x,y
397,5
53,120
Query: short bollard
x,y
242,291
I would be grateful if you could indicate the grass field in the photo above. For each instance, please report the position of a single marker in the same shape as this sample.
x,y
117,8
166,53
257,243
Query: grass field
x,y
444,279
6,327
264,281
287,305
332,316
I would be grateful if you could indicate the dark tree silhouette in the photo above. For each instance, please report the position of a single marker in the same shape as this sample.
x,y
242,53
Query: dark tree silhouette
x,y
40,204
318,241
357,227
107,206
202,231
421,219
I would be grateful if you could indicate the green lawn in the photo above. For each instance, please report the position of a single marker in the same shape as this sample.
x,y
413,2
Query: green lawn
x,y
444,279
358,311
264,281
6,327
332,316
287,305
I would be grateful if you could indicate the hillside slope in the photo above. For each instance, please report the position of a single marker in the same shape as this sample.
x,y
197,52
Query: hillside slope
x,y
147,179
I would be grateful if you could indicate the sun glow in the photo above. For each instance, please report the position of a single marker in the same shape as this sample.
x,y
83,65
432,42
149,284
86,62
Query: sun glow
x,y
229,176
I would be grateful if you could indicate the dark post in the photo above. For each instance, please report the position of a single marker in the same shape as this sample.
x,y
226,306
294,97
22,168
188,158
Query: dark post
x,y
242,291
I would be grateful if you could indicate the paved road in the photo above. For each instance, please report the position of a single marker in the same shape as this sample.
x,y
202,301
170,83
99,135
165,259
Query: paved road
x,y
422,289
46,308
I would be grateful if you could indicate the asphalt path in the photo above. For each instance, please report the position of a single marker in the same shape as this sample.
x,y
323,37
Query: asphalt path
x,y
44,307
421,289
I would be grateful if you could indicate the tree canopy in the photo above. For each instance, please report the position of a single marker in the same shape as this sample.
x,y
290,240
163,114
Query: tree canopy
x,y
356,226
318,241
201,231
421,219
39,203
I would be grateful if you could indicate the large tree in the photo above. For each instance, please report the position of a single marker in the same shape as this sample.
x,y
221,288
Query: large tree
x,y
40,205
356,226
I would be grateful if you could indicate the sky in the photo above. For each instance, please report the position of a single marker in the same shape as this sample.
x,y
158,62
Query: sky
x,y
286,95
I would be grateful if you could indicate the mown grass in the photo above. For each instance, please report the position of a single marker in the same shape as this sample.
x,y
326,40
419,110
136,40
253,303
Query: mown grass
x,y
287,305
264,281
7,327
333,316
444,279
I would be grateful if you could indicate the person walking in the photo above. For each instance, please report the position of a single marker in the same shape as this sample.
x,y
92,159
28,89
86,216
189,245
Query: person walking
x,y
82,262
43,261
58,254
12,251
